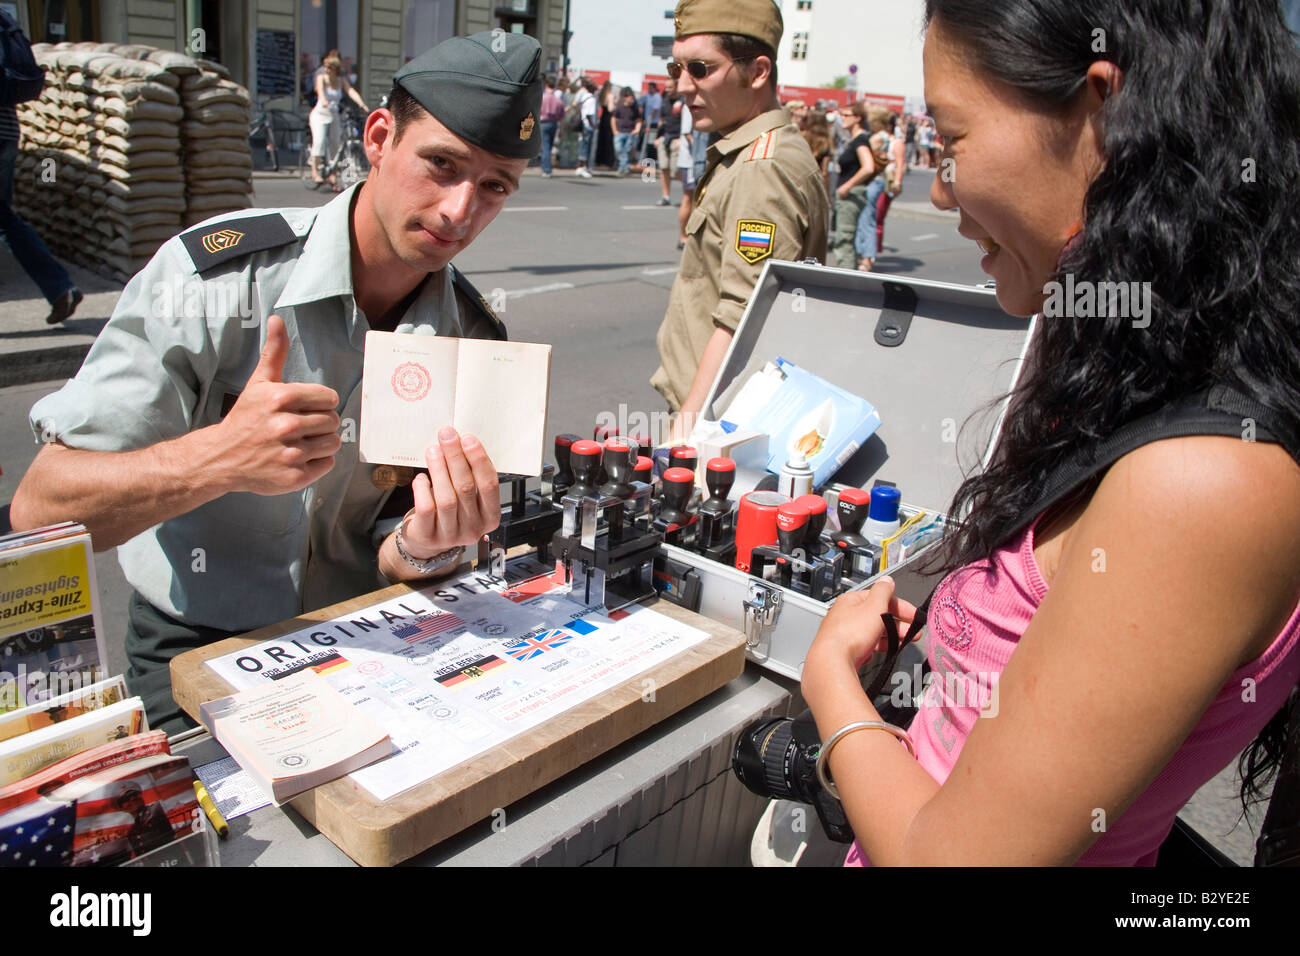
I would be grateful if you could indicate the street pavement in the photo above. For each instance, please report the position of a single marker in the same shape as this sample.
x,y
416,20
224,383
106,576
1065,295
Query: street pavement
x,y
582,264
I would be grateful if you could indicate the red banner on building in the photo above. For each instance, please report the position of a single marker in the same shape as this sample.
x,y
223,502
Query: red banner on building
x,y
811,94
892,103
654,78
597,76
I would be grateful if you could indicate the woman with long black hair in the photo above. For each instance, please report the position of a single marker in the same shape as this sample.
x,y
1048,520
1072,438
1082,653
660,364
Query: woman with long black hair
x,y
1147,628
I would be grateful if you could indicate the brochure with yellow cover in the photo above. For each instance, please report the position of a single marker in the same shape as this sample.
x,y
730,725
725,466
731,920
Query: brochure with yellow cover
x,y
295,734
51,635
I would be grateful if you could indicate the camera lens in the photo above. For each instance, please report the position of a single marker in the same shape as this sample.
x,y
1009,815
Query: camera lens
x,y
764,759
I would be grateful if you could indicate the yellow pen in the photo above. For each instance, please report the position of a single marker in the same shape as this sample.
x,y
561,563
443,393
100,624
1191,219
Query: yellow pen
x,y
210,808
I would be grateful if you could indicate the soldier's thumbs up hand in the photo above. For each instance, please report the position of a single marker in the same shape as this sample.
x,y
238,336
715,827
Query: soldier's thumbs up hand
x,y
270,367
279,436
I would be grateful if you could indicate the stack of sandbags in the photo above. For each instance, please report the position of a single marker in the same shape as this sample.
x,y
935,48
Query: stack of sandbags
x,y
109,169
214,143
100,174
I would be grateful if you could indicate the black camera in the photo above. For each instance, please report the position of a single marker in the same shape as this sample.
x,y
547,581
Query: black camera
x,y
777,756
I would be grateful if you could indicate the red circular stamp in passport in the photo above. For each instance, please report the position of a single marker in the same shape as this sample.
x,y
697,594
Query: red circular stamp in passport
x,y
411,381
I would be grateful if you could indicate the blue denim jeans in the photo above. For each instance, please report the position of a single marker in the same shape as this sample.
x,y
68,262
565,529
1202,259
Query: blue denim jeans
x,y
622,143
864,241
584,147
548,142
22,239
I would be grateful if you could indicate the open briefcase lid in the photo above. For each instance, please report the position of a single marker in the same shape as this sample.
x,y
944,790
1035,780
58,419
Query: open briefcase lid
x,y
928,355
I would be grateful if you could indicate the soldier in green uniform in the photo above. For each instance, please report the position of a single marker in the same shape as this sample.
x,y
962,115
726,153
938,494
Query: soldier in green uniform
x,y
211,434
761,195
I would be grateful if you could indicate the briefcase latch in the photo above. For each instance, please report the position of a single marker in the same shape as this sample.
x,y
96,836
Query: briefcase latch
x,y
895,314
760,611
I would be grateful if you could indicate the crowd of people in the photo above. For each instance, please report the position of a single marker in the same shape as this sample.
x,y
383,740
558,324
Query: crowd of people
x,y
864,151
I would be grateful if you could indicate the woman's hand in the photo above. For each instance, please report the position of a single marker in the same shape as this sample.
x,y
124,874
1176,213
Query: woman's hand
x,y
850,633
843,190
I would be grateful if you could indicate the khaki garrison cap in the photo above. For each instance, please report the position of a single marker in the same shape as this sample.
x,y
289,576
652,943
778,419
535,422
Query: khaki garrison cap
x,y
485,88
759,19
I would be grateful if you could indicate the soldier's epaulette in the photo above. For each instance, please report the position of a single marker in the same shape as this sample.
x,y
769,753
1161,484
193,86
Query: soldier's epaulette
x,y
476,301
762,148
214,243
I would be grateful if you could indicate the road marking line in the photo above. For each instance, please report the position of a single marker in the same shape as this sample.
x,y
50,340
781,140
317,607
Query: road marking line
x,y
659,272
552,287
660,206
534,208
928,235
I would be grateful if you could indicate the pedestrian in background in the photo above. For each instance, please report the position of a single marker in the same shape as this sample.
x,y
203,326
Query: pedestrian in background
x,y
857,168
910,157
668,140
685,170
818,135
606,155
627,126
798,113
23,241
893,177
587,112
324,118
651,116
552,116
865,244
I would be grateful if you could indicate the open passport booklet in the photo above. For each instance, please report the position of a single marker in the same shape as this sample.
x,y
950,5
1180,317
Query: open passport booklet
x,y
412,385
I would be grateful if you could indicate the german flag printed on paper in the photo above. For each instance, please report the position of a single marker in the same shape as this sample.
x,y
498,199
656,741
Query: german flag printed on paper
x,y
471,671
335,662
754,239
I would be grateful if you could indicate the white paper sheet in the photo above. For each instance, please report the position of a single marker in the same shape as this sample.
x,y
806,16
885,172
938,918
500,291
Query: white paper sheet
x,y
464,665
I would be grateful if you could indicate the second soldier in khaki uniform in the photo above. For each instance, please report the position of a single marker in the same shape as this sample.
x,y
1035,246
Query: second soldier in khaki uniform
x,y
762,194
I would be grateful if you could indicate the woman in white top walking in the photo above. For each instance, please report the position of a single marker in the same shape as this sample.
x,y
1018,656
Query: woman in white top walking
x,y
324,118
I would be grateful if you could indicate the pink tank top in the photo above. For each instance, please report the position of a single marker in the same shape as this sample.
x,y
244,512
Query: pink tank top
x,y
975,620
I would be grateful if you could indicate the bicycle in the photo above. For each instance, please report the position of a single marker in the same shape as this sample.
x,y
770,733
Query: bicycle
x,y
348,166
264,124
283,131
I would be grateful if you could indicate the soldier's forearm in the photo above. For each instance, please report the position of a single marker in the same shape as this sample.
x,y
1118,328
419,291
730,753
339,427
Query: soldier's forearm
x,y
710,363
117,495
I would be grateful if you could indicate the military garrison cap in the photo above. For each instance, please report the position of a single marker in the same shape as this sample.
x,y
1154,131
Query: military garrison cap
x,y
759,19
485,88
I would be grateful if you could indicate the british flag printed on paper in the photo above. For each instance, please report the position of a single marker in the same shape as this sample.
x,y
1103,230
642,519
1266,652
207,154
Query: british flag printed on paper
x,y
527,648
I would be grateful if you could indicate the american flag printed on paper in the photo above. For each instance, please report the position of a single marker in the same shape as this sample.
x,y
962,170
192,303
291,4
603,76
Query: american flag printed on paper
x,y
37,834
527,648
426,626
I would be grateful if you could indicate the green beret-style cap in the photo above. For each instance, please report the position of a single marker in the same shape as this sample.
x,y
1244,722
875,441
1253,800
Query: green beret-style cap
x,y
485,88
759,19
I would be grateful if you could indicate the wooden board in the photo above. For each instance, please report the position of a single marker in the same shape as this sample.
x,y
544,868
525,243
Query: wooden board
x,y
376,833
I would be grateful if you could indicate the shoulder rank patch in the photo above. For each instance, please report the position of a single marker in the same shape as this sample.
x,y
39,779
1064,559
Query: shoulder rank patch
x,y
762,147
754,239
220,242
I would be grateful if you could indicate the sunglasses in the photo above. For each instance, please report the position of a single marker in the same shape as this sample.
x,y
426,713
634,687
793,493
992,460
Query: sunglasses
x,y
698,69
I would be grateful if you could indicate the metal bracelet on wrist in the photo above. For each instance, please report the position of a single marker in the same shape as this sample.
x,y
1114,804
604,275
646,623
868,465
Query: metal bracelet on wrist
x,y
429,565
824,756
